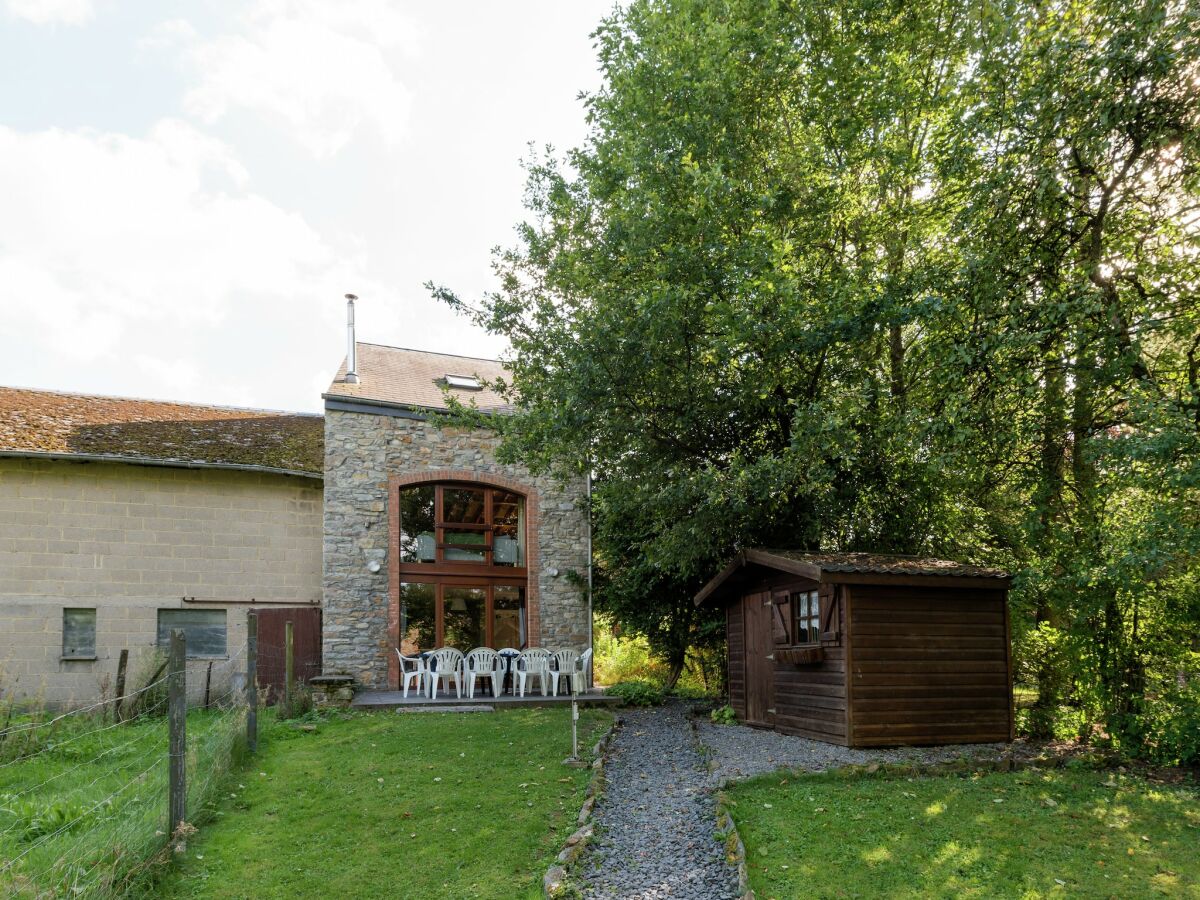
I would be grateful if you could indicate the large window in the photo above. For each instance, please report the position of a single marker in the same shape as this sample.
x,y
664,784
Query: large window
x,y
460,557
203,630
466,616
461,525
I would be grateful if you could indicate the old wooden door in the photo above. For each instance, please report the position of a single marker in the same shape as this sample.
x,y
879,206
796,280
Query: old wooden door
x,y
760,669
306,646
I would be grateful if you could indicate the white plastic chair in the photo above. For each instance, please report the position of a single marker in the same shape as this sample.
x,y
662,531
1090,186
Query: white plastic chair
x,y
482,662
417,673
445,662
533,662
566,661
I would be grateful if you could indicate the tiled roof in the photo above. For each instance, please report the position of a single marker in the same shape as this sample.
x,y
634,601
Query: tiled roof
x,y
414,378
48,422
884,564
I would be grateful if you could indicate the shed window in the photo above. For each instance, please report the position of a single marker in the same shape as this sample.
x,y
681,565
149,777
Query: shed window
x,y
808,617
79,634
203,629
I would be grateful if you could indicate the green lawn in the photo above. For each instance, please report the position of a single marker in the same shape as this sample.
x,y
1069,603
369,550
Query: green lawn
x,y
83,801
1025,834
386,804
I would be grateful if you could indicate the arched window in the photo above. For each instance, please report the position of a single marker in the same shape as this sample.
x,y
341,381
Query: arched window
x,y
461,562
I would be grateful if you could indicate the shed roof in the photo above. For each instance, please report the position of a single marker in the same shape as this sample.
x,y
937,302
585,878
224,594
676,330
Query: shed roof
x,y
414,379
838,566
62,425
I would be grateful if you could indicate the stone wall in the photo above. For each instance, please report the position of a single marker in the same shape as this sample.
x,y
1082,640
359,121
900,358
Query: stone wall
x,y
363,454
129,540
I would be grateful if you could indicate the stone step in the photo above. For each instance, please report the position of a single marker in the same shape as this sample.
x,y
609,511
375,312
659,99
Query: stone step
x,y
446,708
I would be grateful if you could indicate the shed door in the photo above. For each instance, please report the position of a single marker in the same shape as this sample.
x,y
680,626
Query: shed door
x,y
760,669
272,654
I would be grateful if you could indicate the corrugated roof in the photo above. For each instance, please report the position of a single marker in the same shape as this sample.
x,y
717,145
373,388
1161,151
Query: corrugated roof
x,y
885,564
414,378
61,424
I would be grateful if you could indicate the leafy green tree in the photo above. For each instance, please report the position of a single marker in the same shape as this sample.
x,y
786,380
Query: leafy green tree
x,y
886,276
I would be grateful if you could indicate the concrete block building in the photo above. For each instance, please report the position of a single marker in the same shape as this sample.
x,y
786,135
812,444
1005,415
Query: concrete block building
x,y
429,539
121,519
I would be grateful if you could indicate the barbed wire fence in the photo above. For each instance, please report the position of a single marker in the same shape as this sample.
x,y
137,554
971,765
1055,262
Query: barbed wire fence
x,y
92,798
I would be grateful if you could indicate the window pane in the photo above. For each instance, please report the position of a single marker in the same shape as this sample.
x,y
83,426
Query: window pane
x,y
418,623
462,505
79,632
203,629
508,611
508,515
456,552
416,524
462,617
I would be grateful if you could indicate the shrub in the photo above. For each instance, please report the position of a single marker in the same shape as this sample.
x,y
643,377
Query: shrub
x,y
1172,726
637,693
723,715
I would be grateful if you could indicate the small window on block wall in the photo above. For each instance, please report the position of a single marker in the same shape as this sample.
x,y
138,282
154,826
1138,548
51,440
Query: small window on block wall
x,y
203,629
79,634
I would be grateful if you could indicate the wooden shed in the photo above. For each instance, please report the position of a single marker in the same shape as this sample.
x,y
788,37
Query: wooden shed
x,y
867,650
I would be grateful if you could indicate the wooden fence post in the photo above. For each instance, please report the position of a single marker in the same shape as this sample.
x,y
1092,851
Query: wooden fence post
x,y
119,703
177,728
289,663
252,681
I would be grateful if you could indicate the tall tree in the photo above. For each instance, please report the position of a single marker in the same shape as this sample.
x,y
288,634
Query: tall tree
x,y
887,276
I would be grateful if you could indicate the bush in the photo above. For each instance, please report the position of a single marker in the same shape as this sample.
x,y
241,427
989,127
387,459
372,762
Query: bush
x,y
723,715
637,693
1172,726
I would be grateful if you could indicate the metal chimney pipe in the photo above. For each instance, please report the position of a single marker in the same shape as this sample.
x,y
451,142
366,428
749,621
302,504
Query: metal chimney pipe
x,y
351,344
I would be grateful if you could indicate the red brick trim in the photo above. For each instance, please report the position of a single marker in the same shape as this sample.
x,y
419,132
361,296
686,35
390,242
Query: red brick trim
x,y
532,523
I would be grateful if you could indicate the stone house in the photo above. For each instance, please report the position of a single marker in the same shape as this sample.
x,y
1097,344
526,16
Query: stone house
x,y
429,540
121,519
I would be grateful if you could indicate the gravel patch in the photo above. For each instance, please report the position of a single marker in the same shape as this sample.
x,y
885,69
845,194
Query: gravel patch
x,y
741,752
656,820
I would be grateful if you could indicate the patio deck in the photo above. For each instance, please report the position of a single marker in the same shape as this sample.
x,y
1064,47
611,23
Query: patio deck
x,y
397,700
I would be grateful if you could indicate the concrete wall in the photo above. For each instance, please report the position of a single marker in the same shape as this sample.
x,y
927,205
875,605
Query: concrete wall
x,y
363,453
130,540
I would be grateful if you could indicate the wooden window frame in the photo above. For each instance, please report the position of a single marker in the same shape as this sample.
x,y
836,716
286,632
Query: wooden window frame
x,y
443,538
441,582
827,597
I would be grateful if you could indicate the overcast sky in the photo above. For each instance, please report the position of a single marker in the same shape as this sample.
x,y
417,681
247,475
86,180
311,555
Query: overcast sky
x,y
188,189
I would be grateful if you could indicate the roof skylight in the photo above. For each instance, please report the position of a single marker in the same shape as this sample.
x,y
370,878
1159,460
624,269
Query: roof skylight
x,y
464,382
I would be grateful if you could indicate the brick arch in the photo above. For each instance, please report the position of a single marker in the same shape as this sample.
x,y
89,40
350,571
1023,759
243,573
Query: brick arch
x,y
533,621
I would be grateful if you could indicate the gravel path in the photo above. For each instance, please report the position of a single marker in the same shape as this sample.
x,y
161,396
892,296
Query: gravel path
x,y
656,819
742,752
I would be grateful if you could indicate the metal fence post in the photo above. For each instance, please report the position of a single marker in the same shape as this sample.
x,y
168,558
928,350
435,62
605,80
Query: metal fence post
x,y
177,729
289,664
252,681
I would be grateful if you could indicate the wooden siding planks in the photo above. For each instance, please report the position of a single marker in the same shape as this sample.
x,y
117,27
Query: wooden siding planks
x,y
929,665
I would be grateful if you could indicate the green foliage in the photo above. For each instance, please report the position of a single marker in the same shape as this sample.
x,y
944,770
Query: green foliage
x,y
371,805
628,657
1028,834
897,277
297,705
637,693
723,715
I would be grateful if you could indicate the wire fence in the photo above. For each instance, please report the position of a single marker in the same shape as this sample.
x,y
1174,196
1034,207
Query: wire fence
x,y
85,795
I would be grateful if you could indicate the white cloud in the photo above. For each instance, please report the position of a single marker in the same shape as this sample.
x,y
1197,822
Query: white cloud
x,y
52,12
139,249
322,70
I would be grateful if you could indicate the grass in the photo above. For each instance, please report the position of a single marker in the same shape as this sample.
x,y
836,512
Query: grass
x,y
386,804
1026,834
84,805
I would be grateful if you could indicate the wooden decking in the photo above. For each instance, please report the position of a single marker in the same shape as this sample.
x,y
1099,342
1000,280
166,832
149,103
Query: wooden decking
x,y
397,700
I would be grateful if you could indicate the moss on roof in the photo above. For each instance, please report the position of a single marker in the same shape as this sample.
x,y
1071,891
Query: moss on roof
x,y
79,424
